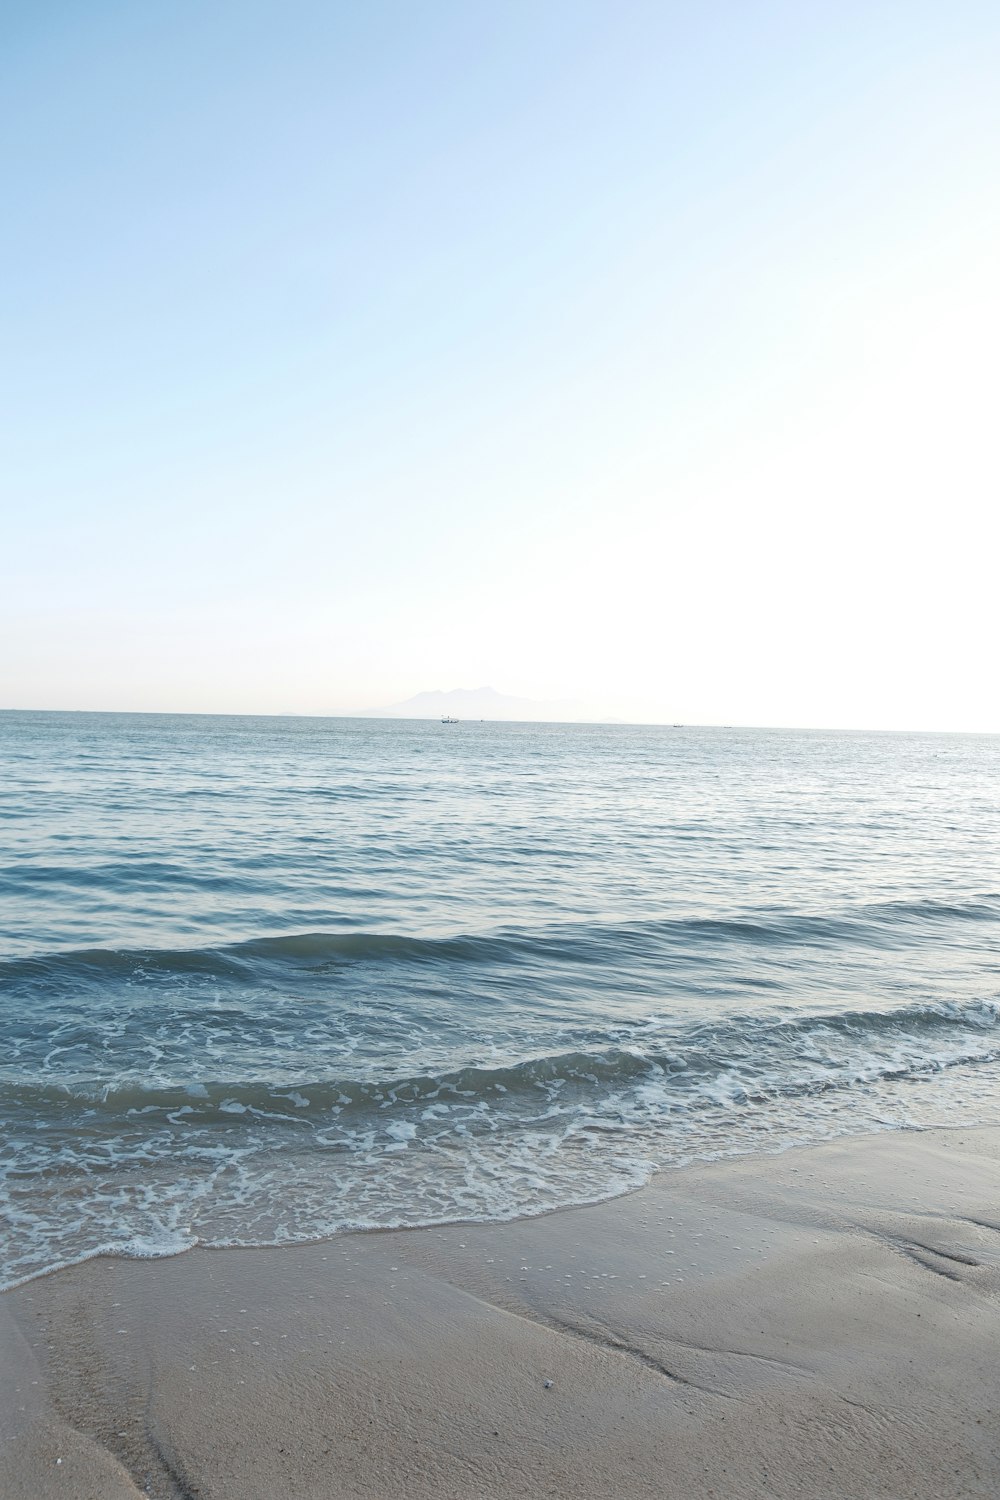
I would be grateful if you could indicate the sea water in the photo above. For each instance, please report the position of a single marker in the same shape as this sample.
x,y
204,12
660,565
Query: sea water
x,y
264,979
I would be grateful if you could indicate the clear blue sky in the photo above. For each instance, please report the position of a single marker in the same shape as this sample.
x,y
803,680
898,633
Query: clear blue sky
x,y
644,354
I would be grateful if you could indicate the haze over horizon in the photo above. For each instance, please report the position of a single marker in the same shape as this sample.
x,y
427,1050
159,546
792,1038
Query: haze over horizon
x,y
642,356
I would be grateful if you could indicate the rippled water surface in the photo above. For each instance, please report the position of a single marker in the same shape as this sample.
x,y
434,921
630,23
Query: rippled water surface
x,y
262,979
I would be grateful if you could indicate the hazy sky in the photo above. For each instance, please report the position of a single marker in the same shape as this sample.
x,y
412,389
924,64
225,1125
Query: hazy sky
x,y
644,354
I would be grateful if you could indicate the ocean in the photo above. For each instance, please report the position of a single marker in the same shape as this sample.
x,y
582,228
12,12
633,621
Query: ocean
x,y
265,979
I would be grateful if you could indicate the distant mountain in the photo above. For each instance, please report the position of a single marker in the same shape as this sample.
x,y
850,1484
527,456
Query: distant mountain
x,y
479,703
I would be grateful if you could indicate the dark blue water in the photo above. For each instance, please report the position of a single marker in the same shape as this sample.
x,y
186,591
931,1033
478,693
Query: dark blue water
x,y
262,979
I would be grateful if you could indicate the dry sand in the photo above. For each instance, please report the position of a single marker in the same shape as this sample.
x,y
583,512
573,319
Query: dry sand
x,y
822,1323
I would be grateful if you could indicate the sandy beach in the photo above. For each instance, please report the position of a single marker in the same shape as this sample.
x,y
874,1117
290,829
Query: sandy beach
x,y
824,1322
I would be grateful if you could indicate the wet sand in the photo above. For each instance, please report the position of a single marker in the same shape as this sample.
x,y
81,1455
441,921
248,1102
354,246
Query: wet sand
x,y
821,1323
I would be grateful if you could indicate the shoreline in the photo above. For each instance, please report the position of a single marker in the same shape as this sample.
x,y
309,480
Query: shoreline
x,y
693,1163
819,1321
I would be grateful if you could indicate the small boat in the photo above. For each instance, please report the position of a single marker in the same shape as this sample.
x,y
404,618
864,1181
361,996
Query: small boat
x,y
447,719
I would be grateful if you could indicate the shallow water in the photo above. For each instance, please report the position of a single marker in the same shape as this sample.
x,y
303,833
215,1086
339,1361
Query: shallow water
x,y
265,978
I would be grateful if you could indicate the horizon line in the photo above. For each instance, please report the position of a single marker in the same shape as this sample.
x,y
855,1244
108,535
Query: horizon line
x,y
373,716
